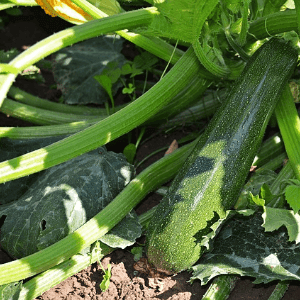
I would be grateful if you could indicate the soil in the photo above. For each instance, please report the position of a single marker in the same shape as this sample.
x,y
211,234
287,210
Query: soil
x,y
126,283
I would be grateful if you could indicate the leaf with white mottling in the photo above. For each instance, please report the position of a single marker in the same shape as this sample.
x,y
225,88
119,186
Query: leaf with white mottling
x,y
61,200
244,248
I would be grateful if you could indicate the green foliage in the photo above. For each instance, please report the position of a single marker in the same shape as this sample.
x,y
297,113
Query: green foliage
x,y
243,247
75,67
137,252
104,285
274,218
61,200
292,195
129,152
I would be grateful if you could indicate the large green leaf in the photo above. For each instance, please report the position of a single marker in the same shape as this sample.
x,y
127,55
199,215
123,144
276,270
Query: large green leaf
x,y
61,200
242,247
75,67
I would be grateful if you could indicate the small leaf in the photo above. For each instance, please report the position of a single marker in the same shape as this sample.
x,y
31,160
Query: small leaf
x,y
128,90
106,83
257,200
137,253
74,68
10,291
125,233
129,152
292,195
126,69
104,285
274,218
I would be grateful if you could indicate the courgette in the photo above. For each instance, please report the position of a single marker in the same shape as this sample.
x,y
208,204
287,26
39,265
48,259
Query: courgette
x,y
211,179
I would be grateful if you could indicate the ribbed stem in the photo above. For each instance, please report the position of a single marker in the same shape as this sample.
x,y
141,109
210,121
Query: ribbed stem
x,y
42,116
289,125
26,98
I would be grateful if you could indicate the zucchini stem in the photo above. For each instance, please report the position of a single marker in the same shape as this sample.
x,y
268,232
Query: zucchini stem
x,y
289,125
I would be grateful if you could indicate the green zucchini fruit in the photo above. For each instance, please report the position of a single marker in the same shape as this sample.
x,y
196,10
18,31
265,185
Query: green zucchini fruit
x,y
211,179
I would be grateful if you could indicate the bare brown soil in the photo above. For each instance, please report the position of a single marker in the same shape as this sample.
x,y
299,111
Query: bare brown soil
x,y
126,282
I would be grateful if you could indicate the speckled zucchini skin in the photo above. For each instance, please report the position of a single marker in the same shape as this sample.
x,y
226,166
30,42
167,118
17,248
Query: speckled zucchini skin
x,y
211,179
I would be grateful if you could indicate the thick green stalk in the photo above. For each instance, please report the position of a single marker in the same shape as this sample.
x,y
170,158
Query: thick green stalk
x,y
289,125
271,25
214,68
26,98
192,92
44,131
221,287
50,278
270,149
108,129
42,116
244,28
24,2
297,6
133,193
8,4
279,290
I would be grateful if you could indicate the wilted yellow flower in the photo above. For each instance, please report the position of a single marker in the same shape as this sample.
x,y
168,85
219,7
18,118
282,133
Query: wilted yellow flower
x,y
65,9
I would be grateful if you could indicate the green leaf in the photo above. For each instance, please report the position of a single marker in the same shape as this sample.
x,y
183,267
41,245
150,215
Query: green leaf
x,y
242,247
292,195
61,200
258,183
104,285
274,218
137,253
74,68
144,61
10,291
128,90
129,152
106,83
257,200
181,19
125,233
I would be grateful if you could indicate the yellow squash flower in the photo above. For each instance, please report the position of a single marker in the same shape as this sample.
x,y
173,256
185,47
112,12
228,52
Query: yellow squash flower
x,y
65,9
70,12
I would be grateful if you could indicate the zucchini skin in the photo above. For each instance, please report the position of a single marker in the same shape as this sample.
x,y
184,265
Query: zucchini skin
x,y
212,177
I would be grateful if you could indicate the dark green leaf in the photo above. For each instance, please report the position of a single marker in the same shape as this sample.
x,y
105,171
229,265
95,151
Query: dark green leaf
x,y
129,152
61,200
242,247
10,291
75,67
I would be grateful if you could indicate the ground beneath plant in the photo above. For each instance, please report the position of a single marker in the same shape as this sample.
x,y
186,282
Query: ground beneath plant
x,y
126,282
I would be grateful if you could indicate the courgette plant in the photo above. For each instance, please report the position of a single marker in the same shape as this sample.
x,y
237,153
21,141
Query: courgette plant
x,y
209,43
